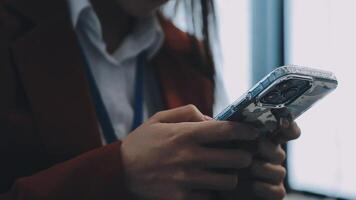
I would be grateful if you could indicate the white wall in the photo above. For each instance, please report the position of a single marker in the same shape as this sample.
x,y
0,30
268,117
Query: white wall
x,y
323,34
234,24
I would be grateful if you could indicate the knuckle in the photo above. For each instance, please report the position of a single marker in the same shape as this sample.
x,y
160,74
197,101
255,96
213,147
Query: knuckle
x,y
280,175
280,193
283,173
294,133
272,192
283,155
158,115
194,113
192,108
280,155
298,132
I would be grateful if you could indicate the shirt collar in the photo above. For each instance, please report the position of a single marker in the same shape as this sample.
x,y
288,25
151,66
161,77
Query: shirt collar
x,y
76,7
147,35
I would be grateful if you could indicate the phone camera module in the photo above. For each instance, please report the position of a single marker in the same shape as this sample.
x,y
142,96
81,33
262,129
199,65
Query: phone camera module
x,y
285,85
285,92
291,93
273,97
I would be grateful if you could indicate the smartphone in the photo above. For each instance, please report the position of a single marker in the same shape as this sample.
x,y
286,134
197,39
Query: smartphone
x,y
287,91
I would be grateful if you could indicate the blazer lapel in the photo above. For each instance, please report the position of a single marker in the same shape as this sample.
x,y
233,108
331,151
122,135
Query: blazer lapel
x,y
51,66
52,70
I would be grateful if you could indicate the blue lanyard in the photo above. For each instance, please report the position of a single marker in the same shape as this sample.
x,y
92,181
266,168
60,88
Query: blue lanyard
x,y
101,111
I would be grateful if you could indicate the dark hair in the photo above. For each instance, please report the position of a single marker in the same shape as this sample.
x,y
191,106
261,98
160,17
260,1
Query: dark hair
x,y
200,19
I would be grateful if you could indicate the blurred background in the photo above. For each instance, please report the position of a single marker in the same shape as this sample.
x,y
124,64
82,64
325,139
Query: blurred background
x,y
258,35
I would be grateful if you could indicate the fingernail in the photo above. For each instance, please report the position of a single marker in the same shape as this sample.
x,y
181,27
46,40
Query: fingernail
x,y
208,118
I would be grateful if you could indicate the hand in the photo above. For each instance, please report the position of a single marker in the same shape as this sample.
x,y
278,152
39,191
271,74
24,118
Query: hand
x,y
288,130
166,157
267,170
264,178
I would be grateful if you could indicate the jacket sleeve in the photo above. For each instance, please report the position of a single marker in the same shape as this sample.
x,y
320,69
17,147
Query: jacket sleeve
x,y
97,174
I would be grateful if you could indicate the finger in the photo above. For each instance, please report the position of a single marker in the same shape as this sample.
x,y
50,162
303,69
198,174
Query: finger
x,y
273,174
208,180
269,191
288,131
219,131
188,113
200,195
222,158
270,151
191,195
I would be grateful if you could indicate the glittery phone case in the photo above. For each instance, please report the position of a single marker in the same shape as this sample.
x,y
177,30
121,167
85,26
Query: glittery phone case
x,y
254,109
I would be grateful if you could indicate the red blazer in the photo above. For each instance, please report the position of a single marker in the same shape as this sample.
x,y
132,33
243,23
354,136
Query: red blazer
x,y
50,145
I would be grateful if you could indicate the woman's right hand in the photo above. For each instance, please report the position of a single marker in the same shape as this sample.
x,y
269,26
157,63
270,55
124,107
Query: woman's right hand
x,y
167,157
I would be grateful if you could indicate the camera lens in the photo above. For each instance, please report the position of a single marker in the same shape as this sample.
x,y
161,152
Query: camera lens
x,y
299,83
291,93
305,85
285,92
273,97
285,85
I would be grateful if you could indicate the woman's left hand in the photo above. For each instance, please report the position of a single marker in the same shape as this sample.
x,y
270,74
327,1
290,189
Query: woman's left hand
x,y
264,178
267,171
